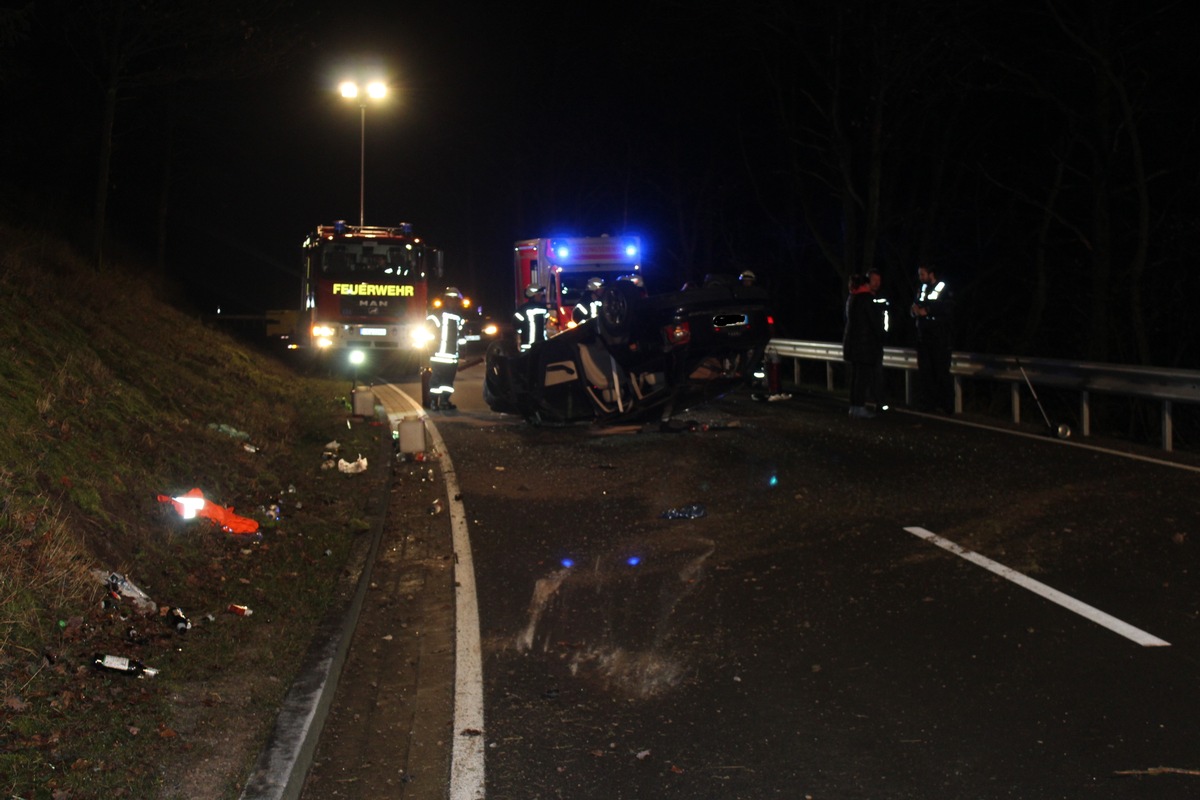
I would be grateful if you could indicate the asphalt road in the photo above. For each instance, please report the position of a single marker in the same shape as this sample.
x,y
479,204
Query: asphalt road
x,y
803,638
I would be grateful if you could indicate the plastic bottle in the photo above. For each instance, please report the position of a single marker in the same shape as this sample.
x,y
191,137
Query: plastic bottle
x,y
122,665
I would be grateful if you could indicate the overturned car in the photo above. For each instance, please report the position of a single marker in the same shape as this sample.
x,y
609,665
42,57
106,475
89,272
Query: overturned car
x,y
643,358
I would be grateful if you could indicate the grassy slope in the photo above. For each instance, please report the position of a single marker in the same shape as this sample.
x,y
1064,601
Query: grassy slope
x,y
107,398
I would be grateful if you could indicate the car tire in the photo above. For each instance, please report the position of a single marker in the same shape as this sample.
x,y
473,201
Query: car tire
x,y
618,311
497,377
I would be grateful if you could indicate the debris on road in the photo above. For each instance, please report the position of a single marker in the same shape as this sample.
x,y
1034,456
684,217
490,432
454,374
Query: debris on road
x,y
691,511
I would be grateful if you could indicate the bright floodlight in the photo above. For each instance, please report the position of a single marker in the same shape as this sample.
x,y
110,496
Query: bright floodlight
x,y
357,357
349,89
377,90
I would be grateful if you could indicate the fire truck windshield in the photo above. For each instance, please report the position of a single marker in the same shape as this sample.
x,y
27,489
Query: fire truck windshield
x,y
360,260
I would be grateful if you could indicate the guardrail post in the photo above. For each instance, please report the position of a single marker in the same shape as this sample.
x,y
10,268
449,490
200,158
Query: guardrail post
x,y
957,395
1014,392
1085,413
829,376
796,372
908,388
1168,433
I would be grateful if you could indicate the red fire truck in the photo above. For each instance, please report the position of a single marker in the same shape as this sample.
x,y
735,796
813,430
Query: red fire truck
x,y
562,266
366,287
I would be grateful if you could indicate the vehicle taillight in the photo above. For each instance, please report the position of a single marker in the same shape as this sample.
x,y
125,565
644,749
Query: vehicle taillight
x,y
678,333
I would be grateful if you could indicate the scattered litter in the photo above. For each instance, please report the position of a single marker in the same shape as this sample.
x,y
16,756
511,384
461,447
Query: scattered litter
x,y
193,504
692,511
435,508
774,398
177,619
121,587
228,430
330,455
696,426
642,755
122,665
249,448
240,610
352,467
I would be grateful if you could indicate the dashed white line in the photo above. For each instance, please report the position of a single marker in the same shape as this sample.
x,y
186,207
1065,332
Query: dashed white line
x,y
1037,587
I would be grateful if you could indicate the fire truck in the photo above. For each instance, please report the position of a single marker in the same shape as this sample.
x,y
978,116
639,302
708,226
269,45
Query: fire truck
x,y
366,287
562,266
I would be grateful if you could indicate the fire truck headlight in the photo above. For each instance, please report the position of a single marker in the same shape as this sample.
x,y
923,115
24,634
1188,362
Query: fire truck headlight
x,y
323,343
491,329
357,357
421,336
322,331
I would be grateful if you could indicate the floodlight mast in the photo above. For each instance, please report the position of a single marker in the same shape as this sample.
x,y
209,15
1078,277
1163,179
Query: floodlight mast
x,y
375,90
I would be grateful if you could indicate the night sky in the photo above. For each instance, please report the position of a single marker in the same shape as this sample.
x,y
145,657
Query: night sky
x,y
1043,154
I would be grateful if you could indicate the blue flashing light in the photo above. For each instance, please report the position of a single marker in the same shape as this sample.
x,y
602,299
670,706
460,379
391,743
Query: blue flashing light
x,y
633,561
562,251
568,562
631,250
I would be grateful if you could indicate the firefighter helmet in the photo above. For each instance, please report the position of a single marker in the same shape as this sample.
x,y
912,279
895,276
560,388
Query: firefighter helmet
x,y
594,284
747,276
532,290
452,291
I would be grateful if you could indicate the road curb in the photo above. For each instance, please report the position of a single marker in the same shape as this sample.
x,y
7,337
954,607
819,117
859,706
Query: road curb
x,y
285,759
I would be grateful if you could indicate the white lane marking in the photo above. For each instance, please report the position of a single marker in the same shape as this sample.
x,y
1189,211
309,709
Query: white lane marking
x,y
466,761
1051,594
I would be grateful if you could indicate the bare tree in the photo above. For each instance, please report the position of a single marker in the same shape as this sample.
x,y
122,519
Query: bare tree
x,y
130,46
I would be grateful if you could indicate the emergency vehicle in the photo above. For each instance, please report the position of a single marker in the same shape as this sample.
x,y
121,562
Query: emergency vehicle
x,y
366,288
562,266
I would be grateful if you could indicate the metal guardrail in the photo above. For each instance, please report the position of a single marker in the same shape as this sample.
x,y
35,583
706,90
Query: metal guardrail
x,y
1166,386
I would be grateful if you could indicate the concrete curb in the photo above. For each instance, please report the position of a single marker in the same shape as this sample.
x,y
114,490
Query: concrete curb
x,y
283,764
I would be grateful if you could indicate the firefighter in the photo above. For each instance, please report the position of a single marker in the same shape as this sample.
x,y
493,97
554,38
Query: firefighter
x,y
747,278
588,306
446,318
531,317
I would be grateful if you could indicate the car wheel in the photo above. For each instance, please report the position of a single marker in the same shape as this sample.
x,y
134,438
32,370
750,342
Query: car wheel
x,y
618,310
497,378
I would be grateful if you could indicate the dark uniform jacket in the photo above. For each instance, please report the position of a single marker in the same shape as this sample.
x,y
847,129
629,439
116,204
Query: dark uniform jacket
x,y
863,340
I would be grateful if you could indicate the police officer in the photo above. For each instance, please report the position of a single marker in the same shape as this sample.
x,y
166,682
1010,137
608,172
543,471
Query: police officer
x,y
446,319
588,306
931,310
531,317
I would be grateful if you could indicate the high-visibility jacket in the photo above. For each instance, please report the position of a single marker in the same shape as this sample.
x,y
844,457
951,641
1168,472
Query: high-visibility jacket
x,y
449,327
531,323
586,309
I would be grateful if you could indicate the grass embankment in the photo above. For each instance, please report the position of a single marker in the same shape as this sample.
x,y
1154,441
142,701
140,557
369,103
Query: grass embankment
x,y
109,398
